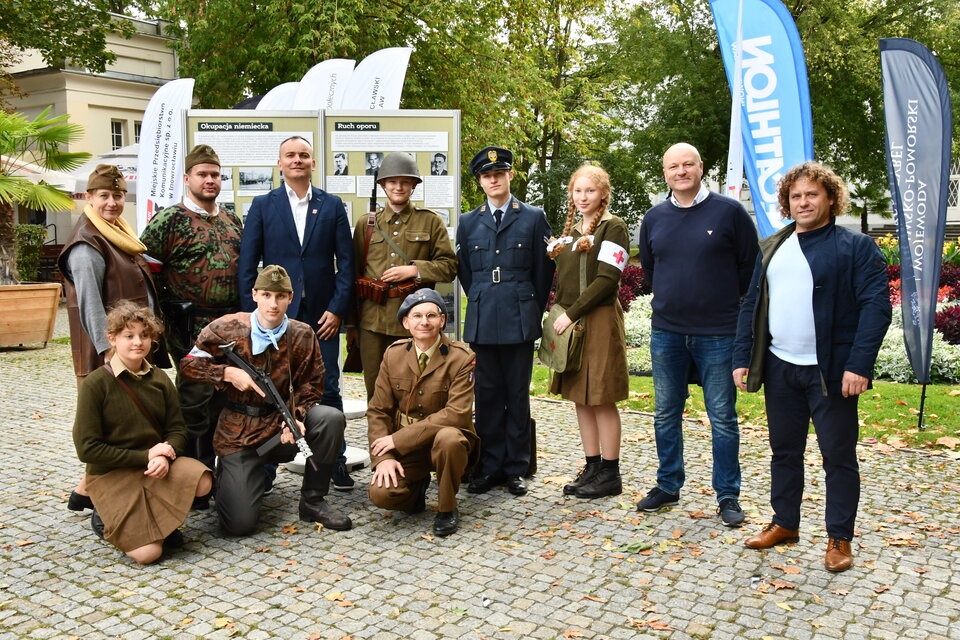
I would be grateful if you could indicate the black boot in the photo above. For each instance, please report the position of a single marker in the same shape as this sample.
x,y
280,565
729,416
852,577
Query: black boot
x,y
96,524
313,508
606,482
586,475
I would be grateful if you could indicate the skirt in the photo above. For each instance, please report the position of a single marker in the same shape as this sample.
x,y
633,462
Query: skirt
x,y
137,510
602,378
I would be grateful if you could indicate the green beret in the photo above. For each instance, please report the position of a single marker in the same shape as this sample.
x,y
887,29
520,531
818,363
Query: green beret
x,y
200,154
273,278
106,176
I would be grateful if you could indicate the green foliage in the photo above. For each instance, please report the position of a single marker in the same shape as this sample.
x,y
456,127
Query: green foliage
x,y
30,239
59,29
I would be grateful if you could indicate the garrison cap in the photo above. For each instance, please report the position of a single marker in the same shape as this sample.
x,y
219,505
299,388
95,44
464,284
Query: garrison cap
x,y
106,176
419,297
491,159
200,154
273,278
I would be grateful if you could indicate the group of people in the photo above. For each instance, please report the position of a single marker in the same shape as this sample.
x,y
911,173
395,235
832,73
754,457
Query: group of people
x,y
799,312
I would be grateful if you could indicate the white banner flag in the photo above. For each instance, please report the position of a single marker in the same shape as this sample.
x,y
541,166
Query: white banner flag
x,y
280,98
323,86
160,160
377,82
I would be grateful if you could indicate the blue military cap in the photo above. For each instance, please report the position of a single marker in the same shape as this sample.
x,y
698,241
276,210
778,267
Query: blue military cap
x,y
418,297
491,159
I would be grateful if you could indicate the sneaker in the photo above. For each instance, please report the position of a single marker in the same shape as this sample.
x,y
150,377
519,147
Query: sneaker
x,y
658,499
341,478
606,482
730,512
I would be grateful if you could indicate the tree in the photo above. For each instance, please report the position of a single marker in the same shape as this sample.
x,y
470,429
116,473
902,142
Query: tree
x,y
38,142
58,29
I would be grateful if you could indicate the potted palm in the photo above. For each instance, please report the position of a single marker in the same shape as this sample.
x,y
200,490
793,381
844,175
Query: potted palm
x,y
28,310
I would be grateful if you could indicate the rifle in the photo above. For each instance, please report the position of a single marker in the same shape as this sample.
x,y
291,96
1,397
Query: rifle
x,y
262,380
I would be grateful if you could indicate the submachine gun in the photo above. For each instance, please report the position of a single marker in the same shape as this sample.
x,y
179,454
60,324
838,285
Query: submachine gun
x,y
262,380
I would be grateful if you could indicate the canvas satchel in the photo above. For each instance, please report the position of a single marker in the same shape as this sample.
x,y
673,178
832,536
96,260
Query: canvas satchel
x,y
563,352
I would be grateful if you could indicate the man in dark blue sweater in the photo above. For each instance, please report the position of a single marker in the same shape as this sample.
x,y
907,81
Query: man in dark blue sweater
x,y
698,250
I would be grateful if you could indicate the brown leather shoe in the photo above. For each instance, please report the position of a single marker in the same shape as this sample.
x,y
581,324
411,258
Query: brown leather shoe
x,y
771,536
839,556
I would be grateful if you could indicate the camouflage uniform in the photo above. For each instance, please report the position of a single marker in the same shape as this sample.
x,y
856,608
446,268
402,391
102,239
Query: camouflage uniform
x,y
199,255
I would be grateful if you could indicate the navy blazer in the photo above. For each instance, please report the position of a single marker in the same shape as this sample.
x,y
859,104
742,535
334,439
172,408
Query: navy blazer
x,y
505,273
321,270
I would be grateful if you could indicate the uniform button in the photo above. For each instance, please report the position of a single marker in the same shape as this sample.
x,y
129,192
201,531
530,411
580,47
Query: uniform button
x,y
520,245
398,386
395,232
498,251
476,246
420,392
393,255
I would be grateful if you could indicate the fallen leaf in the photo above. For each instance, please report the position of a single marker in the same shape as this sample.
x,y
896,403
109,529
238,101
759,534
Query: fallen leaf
x,y
782,584
949,442
784,606
677,534
334,596
222,623
23,543
572,633
594,598
289,528
882,588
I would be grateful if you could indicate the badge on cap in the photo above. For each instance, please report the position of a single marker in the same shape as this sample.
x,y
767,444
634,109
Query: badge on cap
x,y
276,276
492,155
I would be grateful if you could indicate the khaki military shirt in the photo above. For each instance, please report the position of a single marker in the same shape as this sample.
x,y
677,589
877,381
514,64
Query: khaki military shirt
x,y
421,235
413,406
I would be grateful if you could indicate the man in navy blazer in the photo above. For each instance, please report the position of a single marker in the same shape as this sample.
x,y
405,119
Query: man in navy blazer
x,y
306,231
506,274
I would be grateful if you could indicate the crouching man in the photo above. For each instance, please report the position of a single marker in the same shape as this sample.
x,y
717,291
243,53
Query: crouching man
x,y
288,352
420,416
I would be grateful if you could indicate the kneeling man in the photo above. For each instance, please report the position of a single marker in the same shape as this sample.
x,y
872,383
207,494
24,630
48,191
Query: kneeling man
x,y
288,352
420,416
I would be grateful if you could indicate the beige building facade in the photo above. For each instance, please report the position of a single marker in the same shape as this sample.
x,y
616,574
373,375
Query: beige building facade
x,y
109,105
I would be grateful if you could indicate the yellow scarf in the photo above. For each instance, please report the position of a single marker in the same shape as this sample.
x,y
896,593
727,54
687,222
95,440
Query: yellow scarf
x,y
119,233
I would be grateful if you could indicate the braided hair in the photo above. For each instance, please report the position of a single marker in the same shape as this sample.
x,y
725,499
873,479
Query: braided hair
x,y
601,180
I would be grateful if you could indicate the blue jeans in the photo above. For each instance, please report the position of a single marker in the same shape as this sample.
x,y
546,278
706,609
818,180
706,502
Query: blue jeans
x,y
673,355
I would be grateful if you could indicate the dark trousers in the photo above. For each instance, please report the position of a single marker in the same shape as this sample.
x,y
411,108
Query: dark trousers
x,y
502,393
794,396
201,405
240,474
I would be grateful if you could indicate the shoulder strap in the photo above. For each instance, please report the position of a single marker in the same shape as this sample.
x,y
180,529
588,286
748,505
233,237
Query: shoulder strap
x,y
149,416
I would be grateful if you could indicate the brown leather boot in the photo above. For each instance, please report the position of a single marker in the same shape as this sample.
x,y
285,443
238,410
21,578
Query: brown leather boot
x,y
839,555
771,536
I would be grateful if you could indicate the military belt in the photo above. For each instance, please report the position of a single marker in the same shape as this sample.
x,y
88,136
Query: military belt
x,y
254,411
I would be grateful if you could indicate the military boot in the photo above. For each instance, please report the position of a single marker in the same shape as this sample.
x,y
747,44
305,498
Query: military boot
x,y
313,507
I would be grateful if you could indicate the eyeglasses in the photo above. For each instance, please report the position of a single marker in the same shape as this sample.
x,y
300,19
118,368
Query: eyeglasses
x,y
431,317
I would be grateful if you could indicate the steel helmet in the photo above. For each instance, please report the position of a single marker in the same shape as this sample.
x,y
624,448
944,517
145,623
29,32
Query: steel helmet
x,y
398,165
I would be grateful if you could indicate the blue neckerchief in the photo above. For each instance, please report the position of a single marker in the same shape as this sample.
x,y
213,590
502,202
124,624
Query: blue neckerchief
x,y
261,338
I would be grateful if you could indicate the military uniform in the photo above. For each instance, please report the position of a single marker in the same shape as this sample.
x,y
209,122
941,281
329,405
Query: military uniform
x,y
197,283
429,415
506,275
199,254
296,368
421,235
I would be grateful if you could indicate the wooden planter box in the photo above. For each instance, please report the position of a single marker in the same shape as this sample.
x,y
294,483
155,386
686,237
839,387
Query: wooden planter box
x,y
28,313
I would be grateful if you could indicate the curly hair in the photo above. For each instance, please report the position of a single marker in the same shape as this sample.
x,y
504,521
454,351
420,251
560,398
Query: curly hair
x,y
601,179
126,312
815,172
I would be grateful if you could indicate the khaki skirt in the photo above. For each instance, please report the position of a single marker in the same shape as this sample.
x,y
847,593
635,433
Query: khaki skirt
x,y
137,509
602,378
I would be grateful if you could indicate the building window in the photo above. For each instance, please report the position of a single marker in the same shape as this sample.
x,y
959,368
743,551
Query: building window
x,y
116,134
136,131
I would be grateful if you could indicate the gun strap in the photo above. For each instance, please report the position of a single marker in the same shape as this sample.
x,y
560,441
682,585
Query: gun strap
x,y
149,416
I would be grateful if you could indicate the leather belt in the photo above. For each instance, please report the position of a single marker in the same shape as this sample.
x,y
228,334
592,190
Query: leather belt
x,y
499,275
254,411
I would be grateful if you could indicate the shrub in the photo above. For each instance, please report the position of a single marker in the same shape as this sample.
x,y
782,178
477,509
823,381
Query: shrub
x,y
30,239
948,323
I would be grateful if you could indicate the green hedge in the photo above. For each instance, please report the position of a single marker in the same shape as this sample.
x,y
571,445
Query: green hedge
x,y
30,239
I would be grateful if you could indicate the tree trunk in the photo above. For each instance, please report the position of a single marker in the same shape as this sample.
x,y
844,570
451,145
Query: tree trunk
x,y
8,246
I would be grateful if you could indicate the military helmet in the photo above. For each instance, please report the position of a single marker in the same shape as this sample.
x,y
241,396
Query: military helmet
x,y
399,165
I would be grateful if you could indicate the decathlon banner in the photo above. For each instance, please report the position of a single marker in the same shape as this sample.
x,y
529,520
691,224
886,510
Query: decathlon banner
x,y
160,159
917,111
323,86
377,82
776,124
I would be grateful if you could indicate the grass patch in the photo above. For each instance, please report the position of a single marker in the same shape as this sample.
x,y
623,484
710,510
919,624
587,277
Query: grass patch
x,y
888,412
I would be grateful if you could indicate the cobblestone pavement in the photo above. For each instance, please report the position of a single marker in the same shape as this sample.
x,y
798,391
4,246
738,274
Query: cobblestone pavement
x,y
540,566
